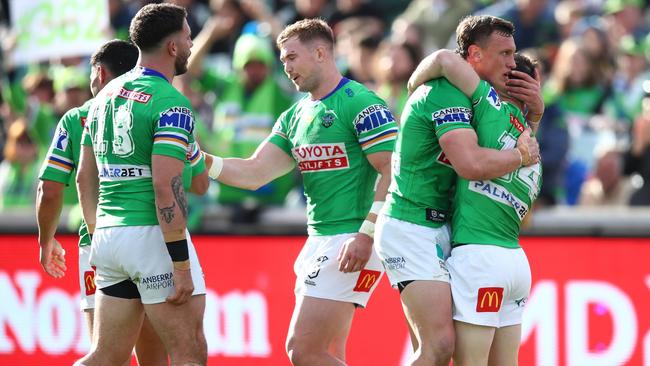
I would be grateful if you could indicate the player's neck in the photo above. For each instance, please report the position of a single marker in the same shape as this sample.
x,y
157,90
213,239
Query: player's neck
x,y
163,66
329,81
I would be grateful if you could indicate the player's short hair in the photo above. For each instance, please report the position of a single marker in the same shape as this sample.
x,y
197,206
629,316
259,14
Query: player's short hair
x,y
155,22
525,64
307,30
117,56
476,29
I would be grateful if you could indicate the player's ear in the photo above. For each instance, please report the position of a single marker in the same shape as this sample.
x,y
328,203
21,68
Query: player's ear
x,y
102,74
474,53
172,47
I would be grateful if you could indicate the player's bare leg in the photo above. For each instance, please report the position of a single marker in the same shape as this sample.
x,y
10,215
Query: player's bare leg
x,y
180,328
316,326
412,336
117,323
473,344
338,345
505,346
149,349
428,306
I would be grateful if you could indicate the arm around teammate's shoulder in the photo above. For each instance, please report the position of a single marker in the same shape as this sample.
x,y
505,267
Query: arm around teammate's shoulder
x,y
267,163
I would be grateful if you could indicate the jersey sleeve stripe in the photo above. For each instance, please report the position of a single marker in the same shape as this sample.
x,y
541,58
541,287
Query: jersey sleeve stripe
x,y
280,134
377,135
59,165
195,158
387,136
171,141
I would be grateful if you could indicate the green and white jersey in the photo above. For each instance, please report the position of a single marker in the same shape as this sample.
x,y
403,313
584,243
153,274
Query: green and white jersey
x,y
329,140
63,156
135,116
422,176
490,211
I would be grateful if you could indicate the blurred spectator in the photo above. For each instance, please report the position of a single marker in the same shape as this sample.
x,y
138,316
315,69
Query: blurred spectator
x,y
18,171
394,64
638,158
534,21
120,14
37,107
197,14
580,92
595,40
607,186
624,104
302,9
435,20
247,104
357,43
624,17
567,14
70,87
346,9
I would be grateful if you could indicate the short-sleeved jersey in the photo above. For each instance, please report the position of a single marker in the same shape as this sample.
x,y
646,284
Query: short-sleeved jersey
x,y
422,176
329,140
63,156
135,116
490,211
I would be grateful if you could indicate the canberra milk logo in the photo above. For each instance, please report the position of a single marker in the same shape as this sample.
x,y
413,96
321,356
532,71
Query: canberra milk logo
x,y
452,114
372,117
179,117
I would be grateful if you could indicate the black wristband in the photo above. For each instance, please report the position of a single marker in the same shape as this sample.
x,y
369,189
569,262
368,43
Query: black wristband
x,y
178,250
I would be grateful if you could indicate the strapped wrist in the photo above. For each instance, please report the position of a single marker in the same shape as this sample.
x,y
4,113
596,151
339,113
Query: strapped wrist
x,y
216,167
178,251
368,228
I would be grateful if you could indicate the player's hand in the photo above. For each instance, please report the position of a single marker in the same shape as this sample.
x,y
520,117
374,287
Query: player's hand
x,y
183,287
527,89
528,147
355,253
52,258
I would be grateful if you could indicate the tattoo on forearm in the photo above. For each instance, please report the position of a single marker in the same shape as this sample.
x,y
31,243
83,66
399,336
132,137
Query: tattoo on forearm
x,y
179,194
167,213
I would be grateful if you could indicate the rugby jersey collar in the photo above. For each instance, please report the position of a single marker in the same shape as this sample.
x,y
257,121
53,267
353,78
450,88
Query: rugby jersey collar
x,y
151,72
343,81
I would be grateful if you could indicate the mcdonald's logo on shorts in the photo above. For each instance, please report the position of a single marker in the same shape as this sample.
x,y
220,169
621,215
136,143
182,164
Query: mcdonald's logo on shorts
x,y
89,282
489,299
366,280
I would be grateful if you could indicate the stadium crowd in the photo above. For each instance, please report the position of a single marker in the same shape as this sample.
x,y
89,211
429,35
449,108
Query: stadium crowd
x,y
595,56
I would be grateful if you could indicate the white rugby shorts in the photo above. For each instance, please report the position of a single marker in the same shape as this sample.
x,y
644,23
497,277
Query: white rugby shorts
x,y
411,252
139,254
318,275
489,284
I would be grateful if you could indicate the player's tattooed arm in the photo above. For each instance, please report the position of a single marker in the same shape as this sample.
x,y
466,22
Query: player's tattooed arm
x,y
167,213
179,194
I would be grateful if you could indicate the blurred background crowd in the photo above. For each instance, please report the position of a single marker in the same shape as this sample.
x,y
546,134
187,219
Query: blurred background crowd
x,y
594,57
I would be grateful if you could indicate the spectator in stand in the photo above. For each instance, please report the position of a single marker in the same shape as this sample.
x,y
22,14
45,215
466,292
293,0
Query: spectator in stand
x,y
607,186
19,169
436,20
624,17
533,20
624,104
247,104
304,9
580,92
346,9
357,43
197,13
638,158
394,64
592,31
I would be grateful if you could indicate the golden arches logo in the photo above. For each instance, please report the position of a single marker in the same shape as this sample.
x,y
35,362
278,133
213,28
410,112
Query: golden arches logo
x,y
489,299
367,279
89,280
490,295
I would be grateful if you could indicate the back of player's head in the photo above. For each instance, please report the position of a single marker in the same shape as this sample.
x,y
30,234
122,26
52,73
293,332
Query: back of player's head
x,y
308,30
475,30
155,22
117,56
525,64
